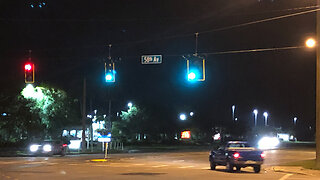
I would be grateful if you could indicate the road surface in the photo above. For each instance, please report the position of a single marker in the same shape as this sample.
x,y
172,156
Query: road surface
x,y
139,166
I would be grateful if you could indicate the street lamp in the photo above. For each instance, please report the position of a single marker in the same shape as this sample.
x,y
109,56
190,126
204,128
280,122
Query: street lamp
x,y
191,114
265,114
130,105
255,112
295,120
233,109
182,117
310,43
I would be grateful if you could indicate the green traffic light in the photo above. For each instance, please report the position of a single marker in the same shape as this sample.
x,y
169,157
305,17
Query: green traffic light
x,y
191,76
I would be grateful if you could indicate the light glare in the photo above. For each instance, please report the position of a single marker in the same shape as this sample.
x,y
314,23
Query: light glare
x,y
191,76
34,148
47,148
27,67
310,43
183,117
268,143
108,77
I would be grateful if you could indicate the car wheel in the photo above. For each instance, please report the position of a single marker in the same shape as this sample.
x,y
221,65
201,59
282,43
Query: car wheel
x,y
229,167
257,169
63,152
212,165
238,168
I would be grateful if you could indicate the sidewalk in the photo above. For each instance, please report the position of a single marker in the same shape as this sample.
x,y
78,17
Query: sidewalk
x,y
295,170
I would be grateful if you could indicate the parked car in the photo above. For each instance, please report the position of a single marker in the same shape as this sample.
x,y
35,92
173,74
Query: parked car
x,y
48,148
237,154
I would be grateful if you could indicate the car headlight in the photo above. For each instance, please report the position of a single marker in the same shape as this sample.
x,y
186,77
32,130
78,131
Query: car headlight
x,y
47,148
268,143
34,148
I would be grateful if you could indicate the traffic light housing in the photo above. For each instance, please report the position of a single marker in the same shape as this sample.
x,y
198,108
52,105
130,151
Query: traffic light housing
x,y
196,69
29,73
110,73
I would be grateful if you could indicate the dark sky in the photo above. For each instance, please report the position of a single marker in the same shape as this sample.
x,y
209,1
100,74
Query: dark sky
x,y
69,42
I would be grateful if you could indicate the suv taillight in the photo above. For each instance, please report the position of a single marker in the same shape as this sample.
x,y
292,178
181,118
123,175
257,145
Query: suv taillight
x,y
236,155
263,155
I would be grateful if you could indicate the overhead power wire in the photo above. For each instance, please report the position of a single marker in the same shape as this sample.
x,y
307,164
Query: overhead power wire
x,y
219,29
223,28
248,23
260,21
255,50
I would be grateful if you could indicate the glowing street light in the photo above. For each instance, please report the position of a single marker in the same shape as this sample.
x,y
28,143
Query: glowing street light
x,y
295,120
255,112
191,114
265,114
310,43
182,117
233,109
130,105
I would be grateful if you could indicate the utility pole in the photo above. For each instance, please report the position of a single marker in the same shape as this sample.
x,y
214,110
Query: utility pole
x,y
318,88
109,96
83,146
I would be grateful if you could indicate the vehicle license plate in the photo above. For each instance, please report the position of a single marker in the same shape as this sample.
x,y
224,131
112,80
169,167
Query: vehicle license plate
x,y
250,162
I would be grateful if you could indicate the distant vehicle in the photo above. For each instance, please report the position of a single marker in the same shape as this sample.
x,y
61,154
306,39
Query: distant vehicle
x,y
48,148
237,154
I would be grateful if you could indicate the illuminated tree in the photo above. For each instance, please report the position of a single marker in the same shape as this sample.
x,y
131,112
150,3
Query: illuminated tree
x,y
53,106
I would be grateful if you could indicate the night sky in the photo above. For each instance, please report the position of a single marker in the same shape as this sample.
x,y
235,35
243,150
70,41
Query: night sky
x,y
69,41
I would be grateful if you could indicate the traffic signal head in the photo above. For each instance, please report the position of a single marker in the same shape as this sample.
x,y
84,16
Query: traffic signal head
x,y
110,73
196,69
29,73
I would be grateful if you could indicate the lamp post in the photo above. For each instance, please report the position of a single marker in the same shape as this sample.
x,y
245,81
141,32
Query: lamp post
x,y
265,114
318,89
255,112
130,105
295,120
233,110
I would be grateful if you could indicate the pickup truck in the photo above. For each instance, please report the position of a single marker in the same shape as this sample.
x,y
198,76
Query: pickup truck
x,y
237,154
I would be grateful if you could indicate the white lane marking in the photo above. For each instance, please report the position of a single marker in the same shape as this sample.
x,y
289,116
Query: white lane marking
x,y
8,162
138,164
34,162
183,167
160,166
100,165
285,176
52,163
72,164
178,161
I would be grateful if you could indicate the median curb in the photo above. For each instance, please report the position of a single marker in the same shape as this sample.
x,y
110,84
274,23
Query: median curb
x,y
296,170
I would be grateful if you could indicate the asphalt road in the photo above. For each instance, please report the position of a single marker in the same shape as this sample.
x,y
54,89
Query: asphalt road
x,y
158,166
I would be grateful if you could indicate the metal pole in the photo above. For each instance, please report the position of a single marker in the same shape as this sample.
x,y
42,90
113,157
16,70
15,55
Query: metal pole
x,y
106,152
196,49
233,111
255,120
318,89
83,147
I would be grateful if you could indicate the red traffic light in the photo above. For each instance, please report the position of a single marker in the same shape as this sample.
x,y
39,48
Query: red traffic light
x,y
29,73
28,67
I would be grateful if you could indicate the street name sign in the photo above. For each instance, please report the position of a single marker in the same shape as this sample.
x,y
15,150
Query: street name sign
x,y
104,138
151,59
